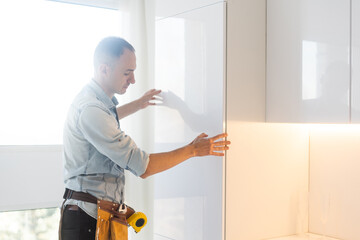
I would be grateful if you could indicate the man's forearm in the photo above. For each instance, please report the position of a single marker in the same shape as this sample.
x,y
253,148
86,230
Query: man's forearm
x,y
141,103
128,109
163,161
201,146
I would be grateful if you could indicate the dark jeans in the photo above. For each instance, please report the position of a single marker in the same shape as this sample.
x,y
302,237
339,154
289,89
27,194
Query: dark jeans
x,y
77,225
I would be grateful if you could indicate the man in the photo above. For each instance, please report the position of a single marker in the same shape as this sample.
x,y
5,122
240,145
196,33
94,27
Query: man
x,y
97,151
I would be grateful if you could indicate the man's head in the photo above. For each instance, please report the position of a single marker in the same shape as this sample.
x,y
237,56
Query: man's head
x,y
114,65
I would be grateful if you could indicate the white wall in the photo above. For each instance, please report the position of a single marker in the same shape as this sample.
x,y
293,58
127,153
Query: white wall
x,y
335,181
284,179
267,180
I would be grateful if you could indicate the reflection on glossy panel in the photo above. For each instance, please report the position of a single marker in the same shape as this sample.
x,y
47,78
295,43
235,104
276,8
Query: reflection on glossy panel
x,y
308,72
172,218
189,70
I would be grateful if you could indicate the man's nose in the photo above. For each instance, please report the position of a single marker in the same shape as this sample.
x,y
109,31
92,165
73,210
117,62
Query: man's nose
x,y
132,79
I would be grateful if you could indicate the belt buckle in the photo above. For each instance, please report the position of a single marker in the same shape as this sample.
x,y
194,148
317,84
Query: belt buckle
x,y
122,208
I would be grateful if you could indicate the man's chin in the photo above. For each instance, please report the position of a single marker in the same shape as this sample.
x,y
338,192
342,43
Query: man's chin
x,y
122,91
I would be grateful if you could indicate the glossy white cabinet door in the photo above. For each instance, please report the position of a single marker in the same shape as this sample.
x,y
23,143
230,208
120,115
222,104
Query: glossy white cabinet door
x,y
355,48
166,8
190,71
308,72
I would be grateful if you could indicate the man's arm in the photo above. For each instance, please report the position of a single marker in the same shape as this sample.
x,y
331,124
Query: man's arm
x,y
201,146
134,106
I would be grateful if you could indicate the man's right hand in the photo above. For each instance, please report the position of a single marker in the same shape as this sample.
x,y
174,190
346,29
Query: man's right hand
x,y
204,146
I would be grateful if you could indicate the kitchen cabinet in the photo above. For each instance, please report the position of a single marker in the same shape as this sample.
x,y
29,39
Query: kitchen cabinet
x,y
170,8
355,67
189,69
216,54
210,62
308,61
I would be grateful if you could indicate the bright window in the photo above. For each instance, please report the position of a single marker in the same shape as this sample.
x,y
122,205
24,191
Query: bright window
x,y
46,57
39,224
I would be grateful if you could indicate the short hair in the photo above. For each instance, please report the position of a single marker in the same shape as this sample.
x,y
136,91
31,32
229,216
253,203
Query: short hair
x,y
109,49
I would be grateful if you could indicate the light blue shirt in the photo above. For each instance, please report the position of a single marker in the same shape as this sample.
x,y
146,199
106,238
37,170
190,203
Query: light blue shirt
x,y
96,151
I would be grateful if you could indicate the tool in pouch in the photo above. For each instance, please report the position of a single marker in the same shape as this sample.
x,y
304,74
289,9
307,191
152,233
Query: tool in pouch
x,y
137,220
113,220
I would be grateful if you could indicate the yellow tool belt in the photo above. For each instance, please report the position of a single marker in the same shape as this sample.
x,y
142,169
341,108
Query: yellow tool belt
x,y
111,221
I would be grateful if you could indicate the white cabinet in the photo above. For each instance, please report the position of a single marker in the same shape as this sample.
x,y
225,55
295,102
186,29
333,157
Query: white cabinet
x,y
168,8
355,67
308,67
189,68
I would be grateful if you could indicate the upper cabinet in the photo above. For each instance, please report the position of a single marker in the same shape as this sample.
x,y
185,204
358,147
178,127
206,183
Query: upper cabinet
x,y
308,61
167,8
355,66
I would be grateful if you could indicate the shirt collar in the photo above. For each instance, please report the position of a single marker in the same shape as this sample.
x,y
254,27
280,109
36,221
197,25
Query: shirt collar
x,y
101,95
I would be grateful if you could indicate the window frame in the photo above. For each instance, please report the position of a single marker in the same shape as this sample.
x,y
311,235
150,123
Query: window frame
x,y
109,4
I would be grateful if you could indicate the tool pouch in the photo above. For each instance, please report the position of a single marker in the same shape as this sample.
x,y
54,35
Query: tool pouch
x,y
111,224
103,225
119,228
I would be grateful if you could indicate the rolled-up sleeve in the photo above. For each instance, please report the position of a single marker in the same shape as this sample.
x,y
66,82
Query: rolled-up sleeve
x,y
99,127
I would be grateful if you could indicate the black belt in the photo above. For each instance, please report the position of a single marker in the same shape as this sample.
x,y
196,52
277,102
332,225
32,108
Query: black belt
x,y
81,196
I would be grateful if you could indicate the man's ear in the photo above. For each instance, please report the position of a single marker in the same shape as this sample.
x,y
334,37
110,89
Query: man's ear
x,y
103,69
